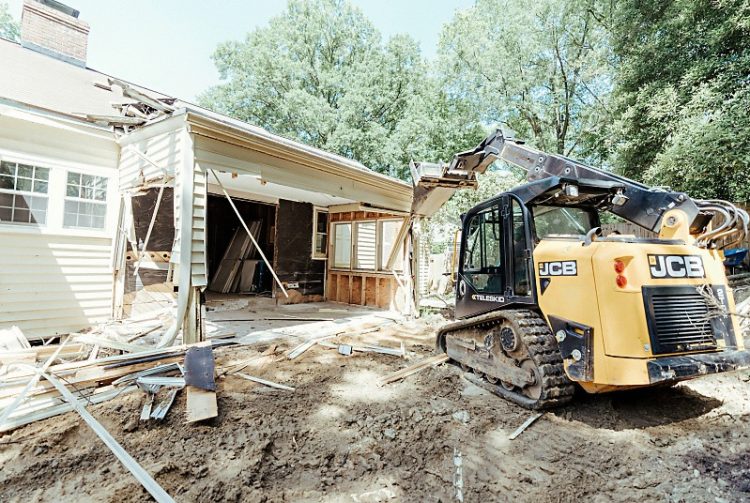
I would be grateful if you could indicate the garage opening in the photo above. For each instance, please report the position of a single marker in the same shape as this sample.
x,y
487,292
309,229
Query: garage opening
x,y
234,264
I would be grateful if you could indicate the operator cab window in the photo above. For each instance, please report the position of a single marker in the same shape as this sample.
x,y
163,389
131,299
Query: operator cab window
x,y
562,221
483,258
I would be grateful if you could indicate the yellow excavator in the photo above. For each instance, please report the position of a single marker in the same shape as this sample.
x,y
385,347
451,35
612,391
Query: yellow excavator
x,y
545,302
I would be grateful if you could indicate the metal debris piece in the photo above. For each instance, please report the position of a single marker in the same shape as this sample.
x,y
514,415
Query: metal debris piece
x,y
146,412
458,475
164,368
169,382
345,349
161,410
263,381
525,425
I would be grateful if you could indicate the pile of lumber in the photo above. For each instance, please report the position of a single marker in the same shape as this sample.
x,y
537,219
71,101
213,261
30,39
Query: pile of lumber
x,y
237,269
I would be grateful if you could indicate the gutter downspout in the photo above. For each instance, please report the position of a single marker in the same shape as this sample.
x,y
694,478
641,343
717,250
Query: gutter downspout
x,y
187,174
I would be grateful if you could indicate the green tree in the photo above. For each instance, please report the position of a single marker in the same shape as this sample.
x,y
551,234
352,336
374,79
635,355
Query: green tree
x,y
542,67
683,95
9,28
320,73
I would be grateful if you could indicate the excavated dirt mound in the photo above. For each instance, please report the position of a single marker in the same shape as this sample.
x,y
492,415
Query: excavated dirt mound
x,y
340,437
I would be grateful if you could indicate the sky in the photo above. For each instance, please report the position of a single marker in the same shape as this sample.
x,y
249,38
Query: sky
x,y
166,45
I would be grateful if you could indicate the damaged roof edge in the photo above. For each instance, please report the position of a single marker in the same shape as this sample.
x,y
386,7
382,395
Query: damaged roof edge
x,y
211,120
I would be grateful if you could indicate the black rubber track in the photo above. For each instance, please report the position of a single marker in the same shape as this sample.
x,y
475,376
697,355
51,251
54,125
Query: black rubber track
x,y
541,347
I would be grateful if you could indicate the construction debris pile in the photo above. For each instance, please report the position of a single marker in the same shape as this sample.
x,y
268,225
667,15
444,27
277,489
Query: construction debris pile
x,y
71,372
319,424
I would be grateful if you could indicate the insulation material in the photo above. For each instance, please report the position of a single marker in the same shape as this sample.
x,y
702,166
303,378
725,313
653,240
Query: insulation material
x,y
293,258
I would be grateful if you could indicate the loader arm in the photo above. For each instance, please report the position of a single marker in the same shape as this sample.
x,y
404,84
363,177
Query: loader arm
x,y
635,202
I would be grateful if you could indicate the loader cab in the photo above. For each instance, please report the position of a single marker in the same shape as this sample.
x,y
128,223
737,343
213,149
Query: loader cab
x,y
499,235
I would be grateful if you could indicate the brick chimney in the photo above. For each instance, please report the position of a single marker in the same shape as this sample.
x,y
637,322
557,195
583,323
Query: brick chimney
x,y
52,28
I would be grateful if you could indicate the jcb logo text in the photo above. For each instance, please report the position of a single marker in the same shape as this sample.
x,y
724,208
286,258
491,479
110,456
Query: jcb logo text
x,y
563,268
676,266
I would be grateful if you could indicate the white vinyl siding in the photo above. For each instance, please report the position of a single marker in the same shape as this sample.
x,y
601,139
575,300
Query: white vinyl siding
x,y
365,246
55,280
53,284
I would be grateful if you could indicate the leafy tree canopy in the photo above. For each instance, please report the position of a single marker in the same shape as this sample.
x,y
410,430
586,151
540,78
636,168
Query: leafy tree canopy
x,y
9,28
683,95
542,67
321,73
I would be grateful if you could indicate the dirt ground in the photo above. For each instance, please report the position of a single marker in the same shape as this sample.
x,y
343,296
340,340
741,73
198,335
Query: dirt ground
x,y
340,437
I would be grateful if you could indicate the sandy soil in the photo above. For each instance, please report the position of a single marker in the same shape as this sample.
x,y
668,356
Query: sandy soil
x,y
339,437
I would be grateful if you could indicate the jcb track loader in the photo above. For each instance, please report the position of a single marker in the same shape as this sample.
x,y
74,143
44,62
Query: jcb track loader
x,y
544,301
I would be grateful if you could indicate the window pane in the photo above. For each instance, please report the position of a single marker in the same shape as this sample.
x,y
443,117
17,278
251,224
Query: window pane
x,y
89,187
25,170
23,184
41,173
550,220
389,232
483,258
21,201
84,215
342,245
40,186
322,222
6,199
366,246
6,182
38,216
320,234
70,219
6,214
7,168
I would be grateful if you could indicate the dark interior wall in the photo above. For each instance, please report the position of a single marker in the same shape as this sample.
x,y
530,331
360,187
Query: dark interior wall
x,y
294,261
222,223
162,235
160,241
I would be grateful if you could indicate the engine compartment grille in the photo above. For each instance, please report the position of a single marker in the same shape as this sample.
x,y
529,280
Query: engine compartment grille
x,y
678,320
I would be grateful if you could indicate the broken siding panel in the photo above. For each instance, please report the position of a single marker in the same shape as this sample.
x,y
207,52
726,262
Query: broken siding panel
x,y
54,284
163,148
200,201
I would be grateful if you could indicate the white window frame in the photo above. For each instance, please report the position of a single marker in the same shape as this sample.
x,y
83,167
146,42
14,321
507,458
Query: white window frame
x,y
314,253
28,193
355,241
56,191
380,265
332,244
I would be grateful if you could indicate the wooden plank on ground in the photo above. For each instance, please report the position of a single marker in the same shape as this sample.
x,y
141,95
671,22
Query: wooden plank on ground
x,y
201,404
201,389
413,369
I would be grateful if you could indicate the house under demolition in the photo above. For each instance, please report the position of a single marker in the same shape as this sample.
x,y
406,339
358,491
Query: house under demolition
x,y
116,201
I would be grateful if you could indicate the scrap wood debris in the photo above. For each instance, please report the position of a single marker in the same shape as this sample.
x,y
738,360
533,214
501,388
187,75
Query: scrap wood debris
x,y
413,369
123,357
